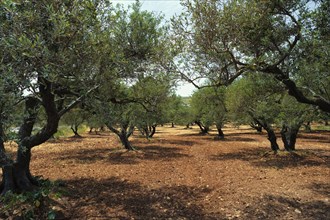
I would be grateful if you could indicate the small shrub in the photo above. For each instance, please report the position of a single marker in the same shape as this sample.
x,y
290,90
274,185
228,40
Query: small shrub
x,y
38,204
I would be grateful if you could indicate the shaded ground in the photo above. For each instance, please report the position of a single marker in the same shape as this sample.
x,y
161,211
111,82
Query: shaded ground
x,y
181,175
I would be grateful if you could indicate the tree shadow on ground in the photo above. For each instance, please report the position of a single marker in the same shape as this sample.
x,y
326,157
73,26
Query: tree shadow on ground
x,y
121,156
115,198
280,207
315,137
65,140
85,155
321,188
282,160
164,141
235,139
178,142
151,152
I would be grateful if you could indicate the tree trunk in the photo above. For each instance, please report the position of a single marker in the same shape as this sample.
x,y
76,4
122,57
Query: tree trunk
x,y
204,129
74,129
221,135
272,139
172,125
123,134
308,127
270,133
17,176
7,183
124,140
256,126
289,137
294,91
153,130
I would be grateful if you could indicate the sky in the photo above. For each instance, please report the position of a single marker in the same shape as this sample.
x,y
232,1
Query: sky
x,y
168,8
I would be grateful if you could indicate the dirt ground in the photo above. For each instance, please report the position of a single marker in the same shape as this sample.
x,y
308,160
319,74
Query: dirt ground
x,y
180,174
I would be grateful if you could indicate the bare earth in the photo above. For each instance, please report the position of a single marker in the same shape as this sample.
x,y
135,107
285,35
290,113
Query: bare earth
x,y
182,175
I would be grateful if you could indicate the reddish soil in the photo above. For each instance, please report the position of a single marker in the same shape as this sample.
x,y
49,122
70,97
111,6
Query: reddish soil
x,y
182,175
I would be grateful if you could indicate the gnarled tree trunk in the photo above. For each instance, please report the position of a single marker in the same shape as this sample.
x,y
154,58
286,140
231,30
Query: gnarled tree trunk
x,y
270,133
204,129
256,126
124,133
74,129
220,135
289,137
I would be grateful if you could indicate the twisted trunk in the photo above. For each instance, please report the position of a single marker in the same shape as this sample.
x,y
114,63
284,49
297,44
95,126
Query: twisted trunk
x,y
74,129
321,102
289,137
149,131
204,129
124,133
270,133
256,126
221,135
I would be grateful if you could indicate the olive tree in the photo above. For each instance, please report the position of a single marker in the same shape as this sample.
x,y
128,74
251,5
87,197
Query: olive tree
x,y
208,107
139,41
53,56
220,40
75,118
152,92
261,100
177,111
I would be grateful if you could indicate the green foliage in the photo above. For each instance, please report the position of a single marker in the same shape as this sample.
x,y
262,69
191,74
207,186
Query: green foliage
x,y
178,110
38,204
208,106
152,92
220,40
260,97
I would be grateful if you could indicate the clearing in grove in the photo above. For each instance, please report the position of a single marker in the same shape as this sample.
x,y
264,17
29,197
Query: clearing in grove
x,y
180,174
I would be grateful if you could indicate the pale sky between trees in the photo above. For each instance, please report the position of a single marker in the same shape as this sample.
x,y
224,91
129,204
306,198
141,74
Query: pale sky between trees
x,y
169,8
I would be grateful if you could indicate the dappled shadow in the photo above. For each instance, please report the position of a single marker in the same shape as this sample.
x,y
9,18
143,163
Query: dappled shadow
x,y
120,199
85,155
321,188
99,135
280,207
122,156
151,152
267,159
197,134
178,142
322,137
164,141
250,132
238,139
65,140
155,152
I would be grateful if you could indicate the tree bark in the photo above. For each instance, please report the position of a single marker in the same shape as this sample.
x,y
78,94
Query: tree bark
x,y
270,133
221,135
152,130
17,177
204,129
74,129
124,140
124,133
294,91
308,127
256,126
289,137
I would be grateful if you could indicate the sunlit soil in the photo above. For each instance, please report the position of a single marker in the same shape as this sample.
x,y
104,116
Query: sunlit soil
x,y
180,174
